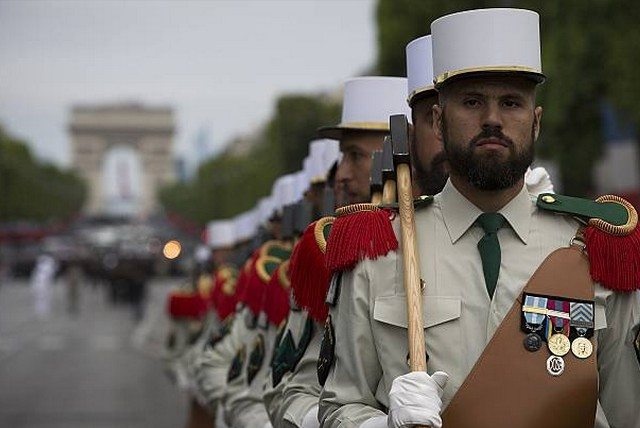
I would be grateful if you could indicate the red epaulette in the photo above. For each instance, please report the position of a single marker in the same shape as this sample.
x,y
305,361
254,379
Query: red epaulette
x,y
276,302
308,270
360,231
191,305
224,296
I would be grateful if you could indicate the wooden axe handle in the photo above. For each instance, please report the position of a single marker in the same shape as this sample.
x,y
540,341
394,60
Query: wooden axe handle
x,y
417,353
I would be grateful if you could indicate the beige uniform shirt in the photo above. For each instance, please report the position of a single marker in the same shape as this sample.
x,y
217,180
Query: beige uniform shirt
x,y
212,367
459,318
243,405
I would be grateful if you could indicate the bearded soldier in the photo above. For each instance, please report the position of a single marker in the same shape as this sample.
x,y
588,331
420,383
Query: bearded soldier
x,y
530,315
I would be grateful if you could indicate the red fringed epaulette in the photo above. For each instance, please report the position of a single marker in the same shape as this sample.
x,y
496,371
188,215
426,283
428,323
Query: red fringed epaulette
x,y
189,305
224,296
254,292
360,231
614,251
308,270
612,240
276,302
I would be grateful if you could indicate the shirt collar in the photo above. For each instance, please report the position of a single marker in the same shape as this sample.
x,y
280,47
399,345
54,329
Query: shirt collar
x,y
460,214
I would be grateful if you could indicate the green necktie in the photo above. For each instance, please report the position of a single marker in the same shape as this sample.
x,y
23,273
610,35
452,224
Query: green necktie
x,y
489,248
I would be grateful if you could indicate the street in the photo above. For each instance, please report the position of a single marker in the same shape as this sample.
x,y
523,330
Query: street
x,y
94,369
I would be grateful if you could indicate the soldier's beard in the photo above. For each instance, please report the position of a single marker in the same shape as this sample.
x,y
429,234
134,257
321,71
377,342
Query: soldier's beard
x,y
431,179
488,171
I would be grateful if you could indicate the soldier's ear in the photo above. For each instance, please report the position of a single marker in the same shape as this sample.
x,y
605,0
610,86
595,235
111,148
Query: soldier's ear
x,y
537,117
437,121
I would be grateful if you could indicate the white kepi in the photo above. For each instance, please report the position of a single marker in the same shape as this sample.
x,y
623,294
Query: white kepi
x,y
419,69
221,234
486,41
367,104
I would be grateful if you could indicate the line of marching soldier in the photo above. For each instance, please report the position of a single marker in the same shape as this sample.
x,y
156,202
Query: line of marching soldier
x,y
421,274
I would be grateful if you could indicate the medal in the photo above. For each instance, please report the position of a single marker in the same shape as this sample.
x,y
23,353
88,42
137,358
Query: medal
x,y
559,344
555,365
581,347
532,342
534,314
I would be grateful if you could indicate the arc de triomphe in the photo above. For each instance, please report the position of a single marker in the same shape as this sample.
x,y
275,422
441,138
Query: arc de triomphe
x,y
123,151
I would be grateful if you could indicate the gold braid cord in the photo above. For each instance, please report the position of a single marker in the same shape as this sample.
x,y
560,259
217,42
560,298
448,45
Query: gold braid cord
x,y
625,229
318,232
262,269
356,208
282,275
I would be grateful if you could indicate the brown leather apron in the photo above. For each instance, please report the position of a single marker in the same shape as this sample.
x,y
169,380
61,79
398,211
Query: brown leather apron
x,y
510,386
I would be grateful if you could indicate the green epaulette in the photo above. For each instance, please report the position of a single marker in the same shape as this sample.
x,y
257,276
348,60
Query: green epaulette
x,y
610,214
276,249
610,236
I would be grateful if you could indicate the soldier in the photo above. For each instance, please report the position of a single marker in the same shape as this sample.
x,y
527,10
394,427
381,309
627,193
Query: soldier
x,y
219,368
366,105
505,346
429,166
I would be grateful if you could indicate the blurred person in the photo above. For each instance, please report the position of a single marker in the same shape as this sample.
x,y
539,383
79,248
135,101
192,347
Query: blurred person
x,y
74,278
42,279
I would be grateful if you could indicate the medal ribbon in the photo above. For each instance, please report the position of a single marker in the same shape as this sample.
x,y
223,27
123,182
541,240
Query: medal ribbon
x,y
559,315
581,317
534,309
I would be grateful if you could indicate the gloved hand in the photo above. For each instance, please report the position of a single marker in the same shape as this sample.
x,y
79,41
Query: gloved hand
x,y
311,418
538,181
416,399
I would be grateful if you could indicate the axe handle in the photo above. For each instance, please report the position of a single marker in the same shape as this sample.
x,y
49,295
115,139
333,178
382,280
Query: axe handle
x,y
376,198
417,354
389,192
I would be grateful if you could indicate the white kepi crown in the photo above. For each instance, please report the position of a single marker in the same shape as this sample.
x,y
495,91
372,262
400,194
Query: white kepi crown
x,y
367,104
221,234
419,68
486,41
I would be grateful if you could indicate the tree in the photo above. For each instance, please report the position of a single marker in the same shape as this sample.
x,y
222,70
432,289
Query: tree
x,y
588,54
232,183
30,190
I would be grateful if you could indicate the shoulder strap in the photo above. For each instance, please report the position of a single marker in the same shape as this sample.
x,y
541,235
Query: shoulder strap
x,y
510,386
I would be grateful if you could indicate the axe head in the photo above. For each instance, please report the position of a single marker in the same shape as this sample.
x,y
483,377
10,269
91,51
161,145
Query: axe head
x,y
328,202
388,171
302,216
400,139
375,179
287,221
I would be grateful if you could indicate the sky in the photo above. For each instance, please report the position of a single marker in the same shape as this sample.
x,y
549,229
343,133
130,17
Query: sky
x,y
219,64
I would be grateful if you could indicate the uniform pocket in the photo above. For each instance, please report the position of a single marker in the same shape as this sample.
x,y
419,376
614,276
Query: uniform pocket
x,y
435,310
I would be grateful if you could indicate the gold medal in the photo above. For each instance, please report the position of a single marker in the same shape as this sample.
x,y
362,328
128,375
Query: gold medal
x,y
582,347
559,344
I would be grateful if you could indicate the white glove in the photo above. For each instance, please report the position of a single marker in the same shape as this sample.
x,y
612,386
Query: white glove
x,y
416,399
311,418
538,181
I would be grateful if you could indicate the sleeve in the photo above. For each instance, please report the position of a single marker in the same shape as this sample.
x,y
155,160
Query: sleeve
x,y
243,407
213,365
348,397
302,390
273,399
619,361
